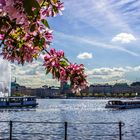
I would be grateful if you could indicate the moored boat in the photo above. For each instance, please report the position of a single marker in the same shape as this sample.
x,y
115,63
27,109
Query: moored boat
x,y
123,104
27,101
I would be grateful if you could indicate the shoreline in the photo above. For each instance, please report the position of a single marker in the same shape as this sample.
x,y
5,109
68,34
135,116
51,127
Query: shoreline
x,y
91,98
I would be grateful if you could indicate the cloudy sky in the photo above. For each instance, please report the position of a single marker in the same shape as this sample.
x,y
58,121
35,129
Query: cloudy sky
x,y
104,35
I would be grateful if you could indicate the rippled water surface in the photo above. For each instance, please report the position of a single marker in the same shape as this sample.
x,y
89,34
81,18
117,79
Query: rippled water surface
x,y
73,111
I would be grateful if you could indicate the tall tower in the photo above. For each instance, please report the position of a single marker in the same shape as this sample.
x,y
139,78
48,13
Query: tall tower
x,y
62,86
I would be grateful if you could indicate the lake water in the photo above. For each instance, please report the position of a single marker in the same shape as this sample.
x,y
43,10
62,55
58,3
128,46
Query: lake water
x,y
72,111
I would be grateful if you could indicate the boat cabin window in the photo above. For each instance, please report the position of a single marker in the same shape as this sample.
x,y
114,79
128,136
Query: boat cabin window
x,y
25,99
2,100
15,100
115,103
30,99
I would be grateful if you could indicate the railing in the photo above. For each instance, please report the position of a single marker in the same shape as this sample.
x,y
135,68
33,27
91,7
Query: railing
x,y
67,127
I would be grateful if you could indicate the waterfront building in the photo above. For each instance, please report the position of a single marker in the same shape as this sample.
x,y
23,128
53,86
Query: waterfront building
x,y
46,91
65,88
114,90
16,88
122,88
136,87
103,89
119,89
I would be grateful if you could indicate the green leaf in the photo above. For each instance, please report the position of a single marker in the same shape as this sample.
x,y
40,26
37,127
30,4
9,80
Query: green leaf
x,y
54,1
45,23
42,40
65,59
63,63
57,74
47,71
29,4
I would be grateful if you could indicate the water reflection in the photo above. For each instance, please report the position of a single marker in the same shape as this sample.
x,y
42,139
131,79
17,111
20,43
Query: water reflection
x,y
73,111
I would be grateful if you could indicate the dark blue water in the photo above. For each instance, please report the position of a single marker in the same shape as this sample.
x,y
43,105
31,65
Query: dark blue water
x,y
73,111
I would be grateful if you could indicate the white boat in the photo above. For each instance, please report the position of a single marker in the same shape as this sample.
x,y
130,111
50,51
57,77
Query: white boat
x,y
9,102
123,104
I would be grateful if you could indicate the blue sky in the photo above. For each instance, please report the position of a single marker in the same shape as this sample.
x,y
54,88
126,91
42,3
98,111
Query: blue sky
x,y
103,35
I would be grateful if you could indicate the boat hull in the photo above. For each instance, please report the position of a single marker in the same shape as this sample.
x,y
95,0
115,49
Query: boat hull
x,y
19,106
18,102
119,104
122,107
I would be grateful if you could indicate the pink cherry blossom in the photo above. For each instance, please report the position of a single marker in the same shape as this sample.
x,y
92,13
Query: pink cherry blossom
x,y
2,36
25,35
2,4
48,35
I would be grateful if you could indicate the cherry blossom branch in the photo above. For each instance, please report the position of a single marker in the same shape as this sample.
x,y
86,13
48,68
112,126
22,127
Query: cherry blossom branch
x,y
28,34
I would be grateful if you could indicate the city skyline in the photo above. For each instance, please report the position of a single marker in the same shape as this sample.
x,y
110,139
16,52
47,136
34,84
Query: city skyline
x,y
103,35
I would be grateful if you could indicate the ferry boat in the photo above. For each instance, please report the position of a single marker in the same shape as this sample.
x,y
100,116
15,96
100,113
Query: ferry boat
x,y
27,101
123,104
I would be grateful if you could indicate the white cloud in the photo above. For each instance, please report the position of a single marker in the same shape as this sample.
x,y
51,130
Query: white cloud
x,y
124,38
106,73
32,75
94,43
102,14
112,75
85,55
42,56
